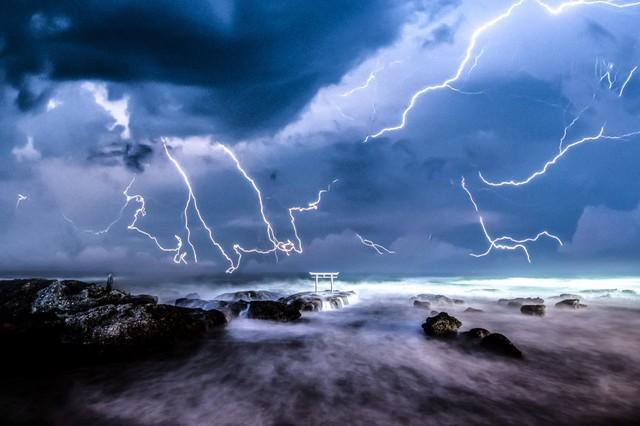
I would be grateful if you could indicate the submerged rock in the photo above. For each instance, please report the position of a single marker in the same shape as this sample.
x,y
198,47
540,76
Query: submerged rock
x,y
629,292
248,296
473,310
519,301
536,310
437,299
421,304
274,311
474,336
566,296
500,345
571,304
442,325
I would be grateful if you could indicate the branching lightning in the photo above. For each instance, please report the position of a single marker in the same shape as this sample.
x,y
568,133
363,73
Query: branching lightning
x,y
505,242
469,52
377,247
21,198
624,85
597,137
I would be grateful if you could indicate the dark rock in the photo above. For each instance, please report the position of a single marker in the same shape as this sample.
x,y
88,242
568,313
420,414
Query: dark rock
x,y
536,310
630,292
437,299
519,301
318,301
499,344
474,336
566,296
442,325
274,311
570,303
248,296
237,308
17,296
205,305
421,304
473,310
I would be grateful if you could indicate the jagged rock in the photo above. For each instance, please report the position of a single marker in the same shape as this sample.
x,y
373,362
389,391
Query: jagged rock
x,y
17,296
312,301
205,305
271,310
536,310
131,325
519,301
473,310
437,299
570,303
566,296
474,336
248,296
500,345
442,325
422,304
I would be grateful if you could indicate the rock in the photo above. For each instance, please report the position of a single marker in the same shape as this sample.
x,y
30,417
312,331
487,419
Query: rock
x,y
600,290
536,310
442,326
322,300
629,292
437,299
500,345
570,303
421,304
247,296
205,305
274,311
566,296
519,301
473,310
474,336
17,296
130,325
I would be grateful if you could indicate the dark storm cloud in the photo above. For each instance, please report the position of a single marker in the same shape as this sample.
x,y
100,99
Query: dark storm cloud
x,y
132,155
261,60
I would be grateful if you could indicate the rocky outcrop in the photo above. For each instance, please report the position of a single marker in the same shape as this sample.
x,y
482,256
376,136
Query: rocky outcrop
x,y
248,296
499,344
319,301
471,310
535,310
438,299
273,311
442,325
570,304
519,301
421,304
205,305
566,296
74,318
474,336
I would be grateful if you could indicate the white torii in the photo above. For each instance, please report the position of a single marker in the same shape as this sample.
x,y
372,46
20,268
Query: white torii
x,y
324,275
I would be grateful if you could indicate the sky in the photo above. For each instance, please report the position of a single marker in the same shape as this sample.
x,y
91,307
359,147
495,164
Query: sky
x,y
227,119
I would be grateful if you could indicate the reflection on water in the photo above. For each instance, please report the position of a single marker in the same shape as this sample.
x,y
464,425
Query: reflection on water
x,y
370,364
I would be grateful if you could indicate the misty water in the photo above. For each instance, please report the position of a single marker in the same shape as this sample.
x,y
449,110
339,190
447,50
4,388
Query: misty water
x,y
370,363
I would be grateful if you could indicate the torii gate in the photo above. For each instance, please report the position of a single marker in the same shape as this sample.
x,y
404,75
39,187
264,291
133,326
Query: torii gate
x,y
324,275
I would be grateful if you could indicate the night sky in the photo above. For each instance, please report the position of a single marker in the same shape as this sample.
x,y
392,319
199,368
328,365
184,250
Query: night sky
x,y
90,90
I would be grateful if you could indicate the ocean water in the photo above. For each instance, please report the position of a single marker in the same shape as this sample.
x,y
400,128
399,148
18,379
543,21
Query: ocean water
x,y
370,363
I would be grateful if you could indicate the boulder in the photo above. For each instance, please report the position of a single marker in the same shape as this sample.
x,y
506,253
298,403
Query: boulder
x,y
473,310
437,299
499,344
17,296
248,296
535,310
571,304
474,336
421,304
519,301
442,326
271,310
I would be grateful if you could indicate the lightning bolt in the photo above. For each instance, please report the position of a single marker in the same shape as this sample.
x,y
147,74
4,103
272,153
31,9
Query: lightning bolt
x,y
21,198
469,52
377,247
624,85
505,242
597,137
372,76
111,224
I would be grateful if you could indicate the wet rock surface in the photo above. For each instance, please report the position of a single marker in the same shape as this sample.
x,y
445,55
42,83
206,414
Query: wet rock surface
x,y
248,296
570,304
318,301
473,310
499,344
442,325
438,299
421,304
534,310
273,311
78,319
519,301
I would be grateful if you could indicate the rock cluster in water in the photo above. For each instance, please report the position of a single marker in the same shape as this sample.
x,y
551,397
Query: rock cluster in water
x,y
445,326
78,318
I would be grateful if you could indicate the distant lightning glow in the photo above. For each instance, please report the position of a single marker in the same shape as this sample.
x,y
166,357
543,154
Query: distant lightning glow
x,y
377,247
624,85
21,198
599,136
469,52
505,242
